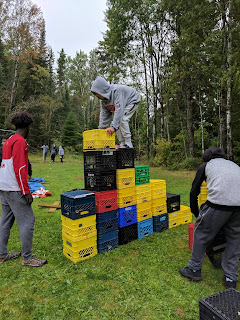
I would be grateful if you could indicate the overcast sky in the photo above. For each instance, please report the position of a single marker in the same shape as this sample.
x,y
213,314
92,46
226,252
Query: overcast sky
x,y
73,24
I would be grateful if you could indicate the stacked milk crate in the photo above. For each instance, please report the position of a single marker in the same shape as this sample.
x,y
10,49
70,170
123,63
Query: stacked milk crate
x,y
126,195
100,178
144,201
159,205
177,213
79,233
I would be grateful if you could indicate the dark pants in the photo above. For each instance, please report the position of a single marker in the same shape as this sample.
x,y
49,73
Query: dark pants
x,y
14,206
207,225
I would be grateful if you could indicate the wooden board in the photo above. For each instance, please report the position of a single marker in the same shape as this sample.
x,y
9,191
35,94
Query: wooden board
x,y
53,207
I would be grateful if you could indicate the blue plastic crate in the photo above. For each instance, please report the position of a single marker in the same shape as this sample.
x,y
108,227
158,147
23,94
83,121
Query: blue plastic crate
x,y
160,222
107,245
127,216
77,204
103,237
145,228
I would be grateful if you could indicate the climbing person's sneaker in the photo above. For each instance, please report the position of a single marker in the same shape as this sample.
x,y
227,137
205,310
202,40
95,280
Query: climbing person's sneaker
x,y
229,283
194,275
34,262
10,256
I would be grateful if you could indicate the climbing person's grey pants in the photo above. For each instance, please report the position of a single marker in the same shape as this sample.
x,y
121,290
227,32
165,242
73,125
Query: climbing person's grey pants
x,y
208,223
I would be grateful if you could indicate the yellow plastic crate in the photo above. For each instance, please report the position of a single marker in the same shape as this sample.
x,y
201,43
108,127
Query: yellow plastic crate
x,y
81,233
174,215
125,178
144,211
202,198
143,193
78,223
79,229
185,215
158,188
159,206
98,139
83,254
126,197
172,223
74,245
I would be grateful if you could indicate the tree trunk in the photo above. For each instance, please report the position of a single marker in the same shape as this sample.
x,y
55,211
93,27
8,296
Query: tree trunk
x,y
190,130
229,84
201,119
14,85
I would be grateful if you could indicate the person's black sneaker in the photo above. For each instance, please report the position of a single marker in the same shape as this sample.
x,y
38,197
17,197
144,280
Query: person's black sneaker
x,y
229,283
191,274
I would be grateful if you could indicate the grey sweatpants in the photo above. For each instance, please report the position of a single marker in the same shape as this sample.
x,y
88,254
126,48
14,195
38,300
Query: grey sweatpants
x,y
123,133
14,206
207,225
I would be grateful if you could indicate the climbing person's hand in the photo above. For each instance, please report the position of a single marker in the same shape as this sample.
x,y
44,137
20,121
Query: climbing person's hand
x,y
110,131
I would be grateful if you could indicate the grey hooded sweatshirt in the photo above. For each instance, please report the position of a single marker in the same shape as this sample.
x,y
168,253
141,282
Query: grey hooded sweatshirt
x,y
116,98
223,181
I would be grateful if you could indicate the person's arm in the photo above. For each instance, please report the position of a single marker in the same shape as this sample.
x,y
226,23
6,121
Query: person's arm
x,y
104,118
29,170
20,165
119,110
195,191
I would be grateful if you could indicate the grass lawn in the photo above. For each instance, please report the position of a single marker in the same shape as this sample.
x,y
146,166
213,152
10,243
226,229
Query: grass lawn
x,y
139,280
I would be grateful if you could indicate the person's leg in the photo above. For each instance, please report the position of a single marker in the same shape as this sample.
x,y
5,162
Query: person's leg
x,y
207,225
6,222
25,218
231,254
124,131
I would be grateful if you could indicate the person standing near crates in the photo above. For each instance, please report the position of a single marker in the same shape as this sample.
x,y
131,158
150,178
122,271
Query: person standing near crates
x,y
221,210
123,102
15,195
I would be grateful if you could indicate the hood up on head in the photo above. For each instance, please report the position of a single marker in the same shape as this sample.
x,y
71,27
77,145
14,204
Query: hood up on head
x,y
102,87
213,153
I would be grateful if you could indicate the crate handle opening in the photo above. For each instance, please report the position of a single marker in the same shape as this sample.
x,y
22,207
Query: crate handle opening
x,y
129,220
109,206
83,213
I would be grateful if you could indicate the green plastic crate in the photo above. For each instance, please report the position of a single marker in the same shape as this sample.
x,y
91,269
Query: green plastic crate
x,y
142,175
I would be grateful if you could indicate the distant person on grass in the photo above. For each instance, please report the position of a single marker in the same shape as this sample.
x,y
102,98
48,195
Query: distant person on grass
x,y
123,102
15,195
221,210
61,153
53,152
45,151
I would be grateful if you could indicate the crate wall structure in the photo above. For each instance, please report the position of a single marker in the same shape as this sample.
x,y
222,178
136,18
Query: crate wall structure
x,y
100,163
159,205
224,305
79,232
144,201
126,189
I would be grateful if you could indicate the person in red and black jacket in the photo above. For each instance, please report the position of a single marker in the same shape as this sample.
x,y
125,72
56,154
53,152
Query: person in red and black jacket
x,y
15,195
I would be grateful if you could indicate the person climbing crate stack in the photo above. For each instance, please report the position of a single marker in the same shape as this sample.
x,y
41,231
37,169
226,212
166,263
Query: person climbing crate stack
x,y
143,198
100,178
79,233
159,205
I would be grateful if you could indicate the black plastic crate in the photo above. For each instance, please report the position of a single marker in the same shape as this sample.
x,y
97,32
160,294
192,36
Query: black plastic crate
x,y
160,222
125,158
224,305
77,204
173,202
101,160
128,233
98,180
216,248
107,245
